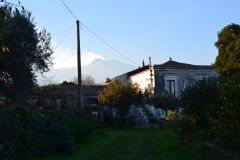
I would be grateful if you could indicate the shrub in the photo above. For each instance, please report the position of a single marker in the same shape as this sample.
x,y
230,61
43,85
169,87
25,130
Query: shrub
x,y
197,100
166,101
81,128
51,136
226,122
202,135
121,96
183,125
25,133
110,121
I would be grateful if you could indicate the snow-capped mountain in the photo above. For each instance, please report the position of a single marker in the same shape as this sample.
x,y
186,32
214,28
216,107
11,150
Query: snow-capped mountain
x,y
98,69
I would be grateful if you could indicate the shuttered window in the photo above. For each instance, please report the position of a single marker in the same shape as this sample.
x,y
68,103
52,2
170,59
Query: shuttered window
x,y
171,87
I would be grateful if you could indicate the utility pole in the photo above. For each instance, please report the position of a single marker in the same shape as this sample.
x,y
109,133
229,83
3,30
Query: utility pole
x,y
79,67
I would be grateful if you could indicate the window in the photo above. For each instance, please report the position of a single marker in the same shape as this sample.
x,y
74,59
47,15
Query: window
x,y
184,84
171,86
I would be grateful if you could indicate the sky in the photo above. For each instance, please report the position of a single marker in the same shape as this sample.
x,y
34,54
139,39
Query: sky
x,y
185,30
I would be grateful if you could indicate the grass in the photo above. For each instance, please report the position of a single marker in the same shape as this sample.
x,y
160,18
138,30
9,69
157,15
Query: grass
x,y
97,138
134,144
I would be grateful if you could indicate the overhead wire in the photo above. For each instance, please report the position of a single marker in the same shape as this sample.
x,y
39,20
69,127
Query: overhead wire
x,y
69,9
106,43
64,36
97,36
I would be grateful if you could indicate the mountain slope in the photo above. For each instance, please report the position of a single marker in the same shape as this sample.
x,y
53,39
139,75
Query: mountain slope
x,y
99,69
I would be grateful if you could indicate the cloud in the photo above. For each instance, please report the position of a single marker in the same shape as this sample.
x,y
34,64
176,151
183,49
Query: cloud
x,y
89,57
65,57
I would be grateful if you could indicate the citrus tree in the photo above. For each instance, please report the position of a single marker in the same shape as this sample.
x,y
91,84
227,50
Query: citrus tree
x,y
119,95
228,45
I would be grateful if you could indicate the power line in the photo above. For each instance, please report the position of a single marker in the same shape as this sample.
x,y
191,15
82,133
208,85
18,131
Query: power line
x,y
106,43
64,36
69,9
98,37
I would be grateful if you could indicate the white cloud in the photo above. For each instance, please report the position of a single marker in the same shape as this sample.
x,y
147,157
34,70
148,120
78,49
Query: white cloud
x,y
65,57
89,57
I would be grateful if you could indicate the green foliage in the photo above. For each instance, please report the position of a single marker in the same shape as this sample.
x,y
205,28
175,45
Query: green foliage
x,y
119,95
29,52
226,122
81,128
25,133
228,59
197,100
166,101
5,5
215,110
202,135
64,83
110,121
183,125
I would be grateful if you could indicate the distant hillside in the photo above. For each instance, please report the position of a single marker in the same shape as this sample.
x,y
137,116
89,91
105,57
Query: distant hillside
x,y
99,69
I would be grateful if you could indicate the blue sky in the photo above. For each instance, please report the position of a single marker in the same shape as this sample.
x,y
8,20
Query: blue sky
x,y
182,29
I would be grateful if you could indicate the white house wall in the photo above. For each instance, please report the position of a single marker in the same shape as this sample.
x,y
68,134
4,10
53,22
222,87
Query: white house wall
x,y
143,79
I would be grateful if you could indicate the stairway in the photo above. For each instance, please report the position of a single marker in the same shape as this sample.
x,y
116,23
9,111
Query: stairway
x,y
141,120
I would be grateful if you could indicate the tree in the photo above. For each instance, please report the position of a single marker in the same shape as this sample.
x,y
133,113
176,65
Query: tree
x,y
29,52
118,95
228,45
225,123
65,83
4,6
86,80
197,100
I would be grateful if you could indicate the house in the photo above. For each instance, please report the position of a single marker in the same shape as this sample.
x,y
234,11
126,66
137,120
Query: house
x,y
170,76
59,97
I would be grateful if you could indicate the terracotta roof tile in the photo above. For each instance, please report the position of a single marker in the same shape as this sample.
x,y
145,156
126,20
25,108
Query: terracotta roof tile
x,y
69,90
133,72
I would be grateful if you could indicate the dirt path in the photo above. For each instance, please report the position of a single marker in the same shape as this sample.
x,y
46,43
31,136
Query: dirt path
x,y
148,144
99,148
134,144
140,144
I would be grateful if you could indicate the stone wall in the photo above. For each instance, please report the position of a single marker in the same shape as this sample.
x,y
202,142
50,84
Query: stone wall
x,y
182,78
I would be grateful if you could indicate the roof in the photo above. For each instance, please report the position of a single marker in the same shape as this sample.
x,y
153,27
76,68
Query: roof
x,y
137,70
69,90
171,65
177,65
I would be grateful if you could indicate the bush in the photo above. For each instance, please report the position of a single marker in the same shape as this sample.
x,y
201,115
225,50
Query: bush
x,y
197,101
51,136
202,135
109,121
25,133
121,96
183,125
81,128
166,101
226,122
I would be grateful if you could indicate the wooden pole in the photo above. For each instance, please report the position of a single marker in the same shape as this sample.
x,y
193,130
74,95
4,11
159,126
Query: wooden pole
x,y
79,67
